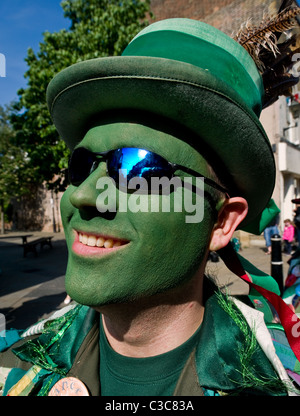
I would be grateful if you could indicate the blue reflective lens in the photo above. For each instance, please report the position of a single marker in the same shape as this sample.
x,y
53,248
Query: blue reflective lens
x,y
122,165
137,163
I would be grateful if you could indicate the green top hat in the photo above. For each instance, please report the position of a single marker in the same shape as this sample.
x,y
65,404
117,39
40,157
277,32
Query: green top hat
x,y
188,72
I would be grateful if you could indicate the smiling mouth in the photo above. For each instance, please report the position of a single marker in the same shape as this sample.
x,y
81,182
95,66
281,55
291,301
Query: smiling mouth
x,y
100,241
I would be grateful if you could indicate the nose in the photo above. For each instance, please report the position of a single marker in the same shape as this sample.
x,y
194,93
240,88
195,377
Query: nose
x,y
85,195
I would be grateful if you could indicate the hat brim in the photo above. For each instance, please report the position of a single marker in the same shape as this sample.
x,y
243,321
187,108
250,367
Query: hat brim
x,y
178,91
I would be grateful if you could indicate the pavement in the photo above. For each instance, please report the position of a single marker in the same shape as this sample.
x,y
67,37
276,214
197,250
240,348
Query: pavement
x,y
257,256
31,288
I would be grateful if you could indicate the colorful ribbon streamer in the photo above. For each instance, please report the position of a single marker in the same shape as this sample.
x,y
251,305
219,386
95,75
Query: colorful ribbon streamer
x,y
289,320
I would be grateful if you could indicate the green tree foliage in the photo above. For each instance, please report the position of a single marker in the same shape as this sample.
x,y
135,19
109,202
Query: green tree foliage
x,y
15,171
98,28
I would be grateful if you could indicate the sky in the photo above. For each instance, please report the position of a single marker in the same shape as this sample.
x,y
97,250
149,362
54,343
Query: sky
x,y
22,24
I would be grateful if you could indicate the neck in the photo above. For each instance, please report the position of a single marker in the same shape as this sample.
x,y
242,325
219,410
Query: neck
x,y
155,325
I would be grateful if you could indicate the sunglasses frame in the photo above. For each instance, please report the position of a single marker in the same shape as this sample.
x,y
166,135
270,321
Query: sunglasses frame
x,y
173,166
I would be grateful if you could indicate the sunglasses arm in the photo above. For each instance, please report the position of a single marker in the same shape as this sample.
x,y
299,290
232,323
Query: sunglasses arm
x,y
208,181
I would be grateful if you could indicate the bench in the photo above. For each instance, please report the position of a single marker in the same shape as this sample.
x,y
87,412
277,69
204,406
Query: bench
x,y
32,245
23,237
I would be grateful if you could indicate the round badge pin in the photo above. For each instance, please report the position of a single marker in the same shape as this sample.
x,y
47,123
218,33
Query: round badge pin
x,y
69,386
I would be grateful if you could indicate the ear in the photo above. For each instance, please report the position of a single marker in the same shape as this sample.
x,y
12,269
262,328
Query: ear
x,y
232,213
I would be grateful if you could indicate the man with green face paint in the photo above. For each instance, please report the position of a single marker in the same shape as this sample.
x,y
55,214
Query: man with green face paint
x,y
156,251
181,102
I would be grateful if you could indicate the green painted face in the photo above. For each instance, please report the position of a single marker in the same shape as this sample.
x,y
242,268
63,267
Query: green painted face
x,y
155,251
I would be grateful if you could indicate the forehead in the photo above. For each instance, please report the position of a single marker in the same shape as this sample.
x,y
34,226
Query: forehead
x,y
112,135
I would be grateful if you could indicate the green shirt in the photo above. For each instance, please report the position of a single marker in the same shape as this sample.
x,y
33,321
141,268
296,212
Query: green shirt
x,y
152,376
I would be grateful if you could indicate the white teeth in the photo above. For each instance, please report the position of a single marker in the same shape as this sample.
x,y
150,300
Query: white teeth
x,y
100,242
109,243
93,241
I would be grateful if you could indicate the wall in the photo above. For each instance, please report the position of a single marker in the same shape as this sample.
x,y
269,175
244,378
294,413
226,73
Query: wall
x,y
193,9
226,15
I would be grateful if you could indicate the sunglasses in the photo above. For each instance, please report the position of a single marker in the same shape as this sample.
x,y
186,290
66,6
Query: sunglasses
x,y
138,163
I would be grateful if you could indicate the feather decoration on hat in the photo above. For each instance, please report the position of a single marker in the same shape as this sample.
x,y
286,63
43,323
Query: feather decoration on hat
x,y
274,59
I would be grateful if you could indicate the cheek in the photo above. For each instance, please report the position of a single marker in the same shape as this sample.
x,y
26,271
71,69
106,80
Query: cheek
x,y
66,208
170,249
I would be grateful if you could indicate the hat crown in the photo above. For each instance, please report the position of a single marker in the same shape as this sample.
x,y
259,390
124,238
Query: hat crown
x,y
206,47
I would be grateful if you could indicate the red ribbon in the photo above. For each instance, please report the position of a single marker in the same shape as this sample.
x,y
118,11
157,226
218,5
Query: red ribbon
x,y
289,320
